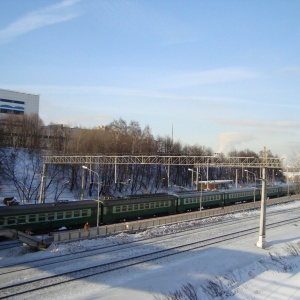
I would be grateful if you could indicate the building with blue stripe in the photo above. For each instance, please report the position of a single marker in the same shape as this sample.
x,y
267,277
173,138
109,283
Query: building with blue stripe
x,y
18,103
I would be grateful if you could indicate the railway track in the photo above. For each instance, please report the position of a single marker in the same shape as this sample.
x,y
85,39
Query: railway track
x,y
6,245
72,257
21,290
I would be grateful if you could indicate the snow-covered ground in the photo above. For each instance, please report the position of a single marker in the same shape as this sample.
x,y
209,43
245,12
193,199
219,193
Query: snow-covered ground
x,y
231,270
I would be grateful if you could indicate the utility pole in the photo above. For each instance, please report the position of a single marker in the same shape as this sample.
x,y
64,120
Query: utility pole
x,y
42,191
82,184
261,243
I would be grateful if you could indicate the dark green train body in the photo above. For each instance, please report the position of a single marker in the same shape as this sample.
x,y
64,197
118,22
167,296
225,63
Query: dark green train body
x,y
47,217
38,218
115,210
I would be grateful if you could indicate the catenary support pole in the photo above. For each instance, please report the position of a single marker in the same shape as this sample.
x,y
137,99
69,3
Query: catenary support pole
x,y
42,191
262,224
82,184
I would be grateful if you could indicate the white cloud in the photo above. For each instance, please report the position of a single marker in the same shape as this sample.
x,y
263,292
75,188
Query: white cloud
x,y
127,92
61,12
281,124
210,77
228,141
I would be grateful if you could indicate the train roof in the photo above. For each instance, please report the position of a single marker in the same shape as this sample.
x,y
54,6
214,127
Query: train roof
x,y
139,199
197,193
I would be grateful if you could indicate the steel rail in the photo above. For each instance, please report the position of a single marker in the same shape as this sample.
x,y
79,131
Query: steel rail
x,y
46,282
185,231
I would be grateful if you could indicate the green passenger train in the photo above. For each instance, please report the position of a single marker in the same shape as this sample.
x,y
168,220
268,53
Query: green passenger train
x,y
48,217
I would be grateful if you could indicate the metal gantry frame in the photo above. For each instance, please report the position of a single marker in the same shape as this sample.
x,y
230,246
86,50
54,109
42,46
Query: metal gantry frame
x,y
188,160
169,160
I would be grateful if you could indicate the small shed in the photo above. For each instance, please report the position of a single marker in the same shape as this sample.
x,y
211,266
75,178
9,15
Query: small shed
x,y
213,184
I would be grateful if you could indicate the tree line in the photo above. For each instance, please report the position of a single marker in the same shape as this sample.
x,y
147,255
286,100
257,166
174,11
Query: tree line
x,y
25,140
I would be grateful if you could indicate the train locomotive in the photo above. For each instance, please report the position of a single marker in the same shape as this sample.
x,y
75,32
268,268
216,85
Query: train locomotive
x,y
48,217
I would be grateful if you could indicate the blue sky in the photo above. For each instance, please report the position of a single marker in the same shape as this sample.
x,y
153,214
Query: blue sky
x,y
224,74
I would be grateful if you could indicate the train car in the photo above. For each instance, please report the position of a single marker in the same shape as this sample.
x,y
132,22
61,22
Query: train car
x,y
284,191
121,209
241,195
189,201
40,218
288,189
273,191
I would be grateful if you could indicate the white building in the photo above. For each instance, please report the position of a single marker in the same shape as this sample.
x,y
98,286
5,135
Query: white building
x,y
18,103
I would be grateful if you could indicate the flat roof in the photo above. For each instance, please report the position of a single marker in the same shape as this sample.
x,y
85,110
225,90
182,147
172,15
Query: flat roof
x,y
26,93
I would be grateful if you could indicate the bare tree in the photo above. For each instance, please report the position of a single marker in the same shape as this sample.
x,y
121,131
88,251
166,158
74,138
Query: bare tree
x,y
23,169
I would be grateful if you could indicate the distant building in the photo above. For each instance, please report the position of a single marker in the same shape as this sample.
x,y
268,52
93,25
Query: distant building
x,y
18,103
101,128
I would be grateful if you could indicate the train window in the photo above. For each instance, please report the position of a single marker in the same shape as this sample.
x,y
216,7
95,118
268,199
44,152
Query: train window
x,y
136,206
76,213
146,205
124,207
11,221
142,206
68,214
118,209
32,218
42,217
2,221
84,212
157,204
152,204
161,203
50,216
60,215
130,207
22,219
